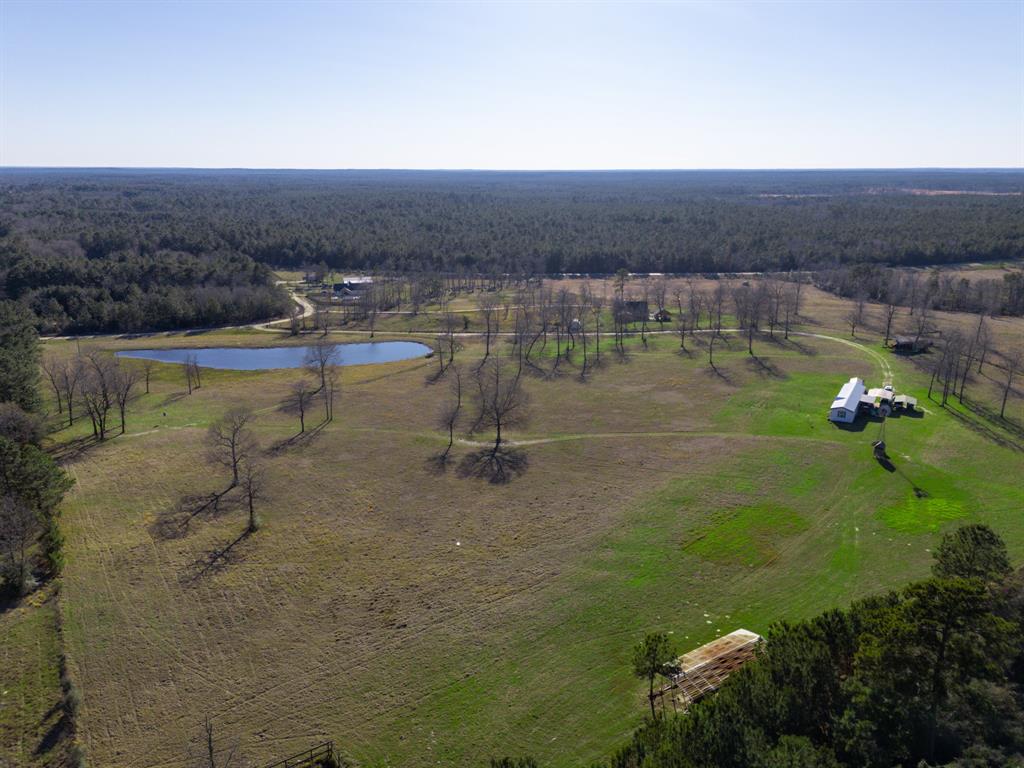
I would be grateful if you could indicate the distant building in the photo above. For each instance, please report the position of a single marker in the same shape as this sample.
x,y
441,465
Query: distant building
x,y
635,311
844,406
909,345
352,284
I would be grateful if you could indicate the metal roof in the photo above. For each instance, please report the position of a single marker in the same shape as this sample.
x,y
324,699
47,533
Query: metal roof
x,y
849,396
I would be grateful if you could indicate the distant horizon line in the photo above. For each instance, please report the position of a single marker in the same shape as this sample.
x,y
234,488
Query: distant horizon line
x,y
499,170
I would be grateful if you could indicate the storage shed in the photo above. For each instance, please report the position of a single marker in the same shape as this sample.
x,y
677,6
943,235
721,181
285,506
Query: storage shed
x,y
845,404
703,670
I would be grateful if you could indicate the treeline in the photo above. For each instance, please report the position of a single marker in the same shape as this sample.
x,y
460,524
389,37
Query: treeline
x,y
31,484
529,223
948,291
115,284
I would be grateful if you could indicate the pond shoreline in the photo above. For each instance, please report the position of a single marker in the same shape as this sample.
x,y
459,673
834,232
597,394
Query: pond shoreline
x,y
279,357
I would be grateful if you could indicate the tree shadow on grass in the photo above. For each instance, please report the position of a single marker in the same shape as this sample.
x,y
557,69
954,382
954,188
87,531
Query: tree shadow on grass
x,y
72,450
438,463
803,349
719,373
498,466
175,523
58,731
764,367
990,433
216,561
301,440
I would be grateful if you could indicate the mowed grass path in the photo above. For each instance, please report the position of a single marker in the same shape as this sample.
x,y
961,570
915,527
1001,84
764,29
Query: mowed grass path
x,y
419,618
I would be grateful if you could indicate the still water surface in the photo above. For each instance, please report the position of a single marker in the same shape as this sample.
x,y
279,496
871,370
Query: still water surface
x,y
262,358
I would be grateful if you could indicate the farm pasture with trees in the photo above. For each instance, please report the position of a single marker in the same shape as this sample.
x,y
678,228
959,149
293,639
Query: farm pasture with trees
x,y
661,495
501,550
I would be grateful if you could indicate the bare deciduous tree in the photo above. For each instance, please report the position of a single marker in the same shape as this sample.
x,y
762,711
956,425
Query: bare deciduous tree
x,y
855,316
193,374
125,379
298,400
253,482
451,410
147,372
99,390
332,383
488,305
207,754
320,357
501,403
230,442
53,367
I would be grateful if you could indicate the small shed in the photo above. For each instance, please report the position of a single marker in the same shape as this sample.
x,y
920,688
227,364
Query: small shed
x,y
911,345
703,670
844,405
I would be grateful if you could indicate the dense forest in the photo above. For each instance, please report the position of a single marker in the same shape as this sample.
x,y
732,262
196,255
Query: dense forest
x,y
144,249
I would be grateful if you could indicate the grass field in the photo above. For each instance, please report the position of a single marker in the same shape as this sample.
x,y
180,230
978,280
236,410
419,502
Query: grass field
x,y
420,618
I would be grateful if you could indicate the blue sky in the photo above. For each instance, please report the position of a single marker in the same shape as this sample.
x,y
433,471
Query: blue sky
x,y
529,85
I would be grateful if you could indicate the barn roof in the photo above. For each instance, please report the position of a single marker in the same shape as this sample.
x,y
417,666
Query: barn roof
x,y
849,395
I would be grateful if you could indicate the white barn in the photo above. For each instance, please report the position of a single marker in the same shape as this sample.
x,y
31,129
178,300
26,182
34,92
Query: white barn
x,y
844,406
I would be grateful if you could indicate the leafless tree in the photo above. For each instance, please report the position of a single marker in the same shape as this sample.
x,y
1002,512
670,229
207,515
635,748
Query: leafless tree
x,y
319,358
922,324
125,379
147,371
855,316
332,384
19,527
500,399
99,390
597,304
1013,363
984,344
298,400
681,317
253,480
54,367
773,304
208,755
193,373
946,365
501,403
321,319
972,347
230,442
695,303
717,306
891,303
659,291
749,305
488,305
789,304
451,410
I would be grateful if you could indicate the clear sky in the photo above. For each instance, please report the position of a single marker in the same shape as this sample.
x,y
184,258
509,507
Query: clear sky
x,y
514,86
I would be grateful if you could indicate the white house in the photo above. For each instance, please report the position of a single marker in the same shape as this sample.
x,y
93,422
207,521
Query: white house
x,y
844,407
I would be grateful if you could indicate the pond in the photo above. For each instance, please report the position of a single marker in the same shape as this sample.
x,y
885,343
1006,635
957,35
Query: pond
x,y
263,358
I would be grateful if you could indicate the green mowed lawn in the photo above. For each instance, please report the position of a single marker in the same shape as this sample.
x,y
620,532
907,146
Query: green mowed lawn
x,y
31,711
417,617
